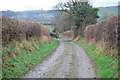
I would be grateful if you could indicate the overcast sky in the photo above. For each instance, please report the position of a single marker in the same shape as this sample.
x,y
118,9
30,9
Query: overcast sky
x,y
21,5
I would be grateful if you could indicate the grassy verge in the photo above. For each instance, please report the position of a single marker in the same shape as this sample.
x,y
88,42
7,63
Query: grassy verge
x,y
106,66
16,63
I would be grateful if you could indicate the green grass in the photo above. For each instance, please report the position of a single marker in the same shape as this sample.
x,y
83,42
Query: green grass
x,y
16,65
106,66
51,28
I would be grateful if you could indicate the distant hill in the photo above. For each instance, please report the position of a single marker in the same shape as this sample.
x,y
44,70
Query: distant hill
x,y
112,9
107,12
32,15
47,15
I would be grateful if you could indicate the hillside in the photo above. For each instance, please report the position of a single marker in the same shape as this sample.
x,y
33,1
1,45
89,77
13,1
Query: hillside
x,y
32,15
111,9
107,12
47,15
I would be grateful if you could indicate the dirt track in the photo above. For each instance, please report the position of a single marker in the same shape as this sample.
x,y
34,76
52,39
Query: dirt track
x,y
68,61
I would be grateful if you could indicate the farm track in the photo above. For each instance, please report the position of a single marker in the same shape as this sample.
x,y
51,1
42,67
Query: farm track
x,y
68,61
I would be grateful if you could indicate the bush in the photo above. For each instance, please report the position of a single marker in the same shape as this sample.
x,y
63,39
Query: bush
x,y
13,29
33,30
45,30
105,31
68,34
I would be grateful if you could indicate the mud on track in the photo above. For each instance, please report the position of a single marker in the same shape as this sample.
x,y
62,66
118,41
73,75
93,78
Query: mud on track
x,y
68,61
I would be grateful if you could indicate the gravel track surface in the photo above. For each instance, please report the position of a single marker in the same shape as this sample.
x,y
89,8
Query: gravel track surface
x,y
68,61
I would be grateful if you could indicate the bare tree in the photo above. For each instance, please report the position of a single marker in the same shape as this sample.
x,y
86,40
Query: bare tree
x,y
82,13
63,22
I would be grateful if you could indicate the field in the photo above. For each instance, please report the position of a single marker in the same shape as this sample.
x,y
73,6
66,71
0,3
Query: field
x,y
51,28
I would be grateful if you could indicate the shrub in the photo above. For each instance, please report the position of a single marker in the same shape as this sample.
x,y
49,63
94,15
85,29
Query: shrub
x,y
13,29
106,31
68,34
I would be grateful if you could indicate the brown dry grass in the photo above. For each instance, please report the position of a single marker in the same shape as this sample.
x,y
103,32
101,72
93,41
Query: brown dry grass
x,y
15,47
